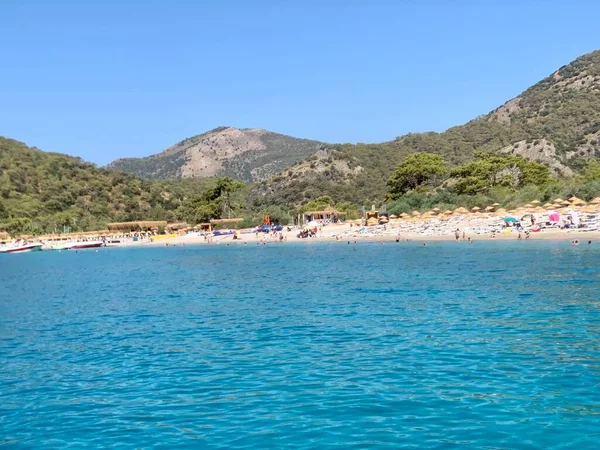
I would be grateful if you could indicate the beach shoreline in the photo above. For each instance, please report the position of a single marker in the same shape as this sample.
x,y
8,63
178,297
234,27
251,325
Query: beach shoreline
x,y
329,233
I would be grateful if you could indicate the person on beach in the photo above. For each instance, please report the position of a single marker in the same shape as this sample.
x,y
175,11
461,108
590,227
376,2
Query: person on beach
x,y
589,242
457,234
464,235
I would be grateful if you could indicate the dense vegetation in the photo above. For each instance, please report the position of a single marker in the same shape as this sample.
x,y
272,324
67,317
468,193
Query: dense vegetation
x,y
46,192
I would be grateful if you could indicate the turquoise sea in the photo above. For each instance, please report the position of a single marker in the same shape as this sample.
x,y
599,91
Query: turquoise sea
x,y
490,345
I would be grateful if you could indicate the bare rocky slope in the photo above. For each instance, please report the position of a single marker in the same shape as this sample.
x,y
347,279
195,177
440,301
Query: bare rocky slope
x,y
249,154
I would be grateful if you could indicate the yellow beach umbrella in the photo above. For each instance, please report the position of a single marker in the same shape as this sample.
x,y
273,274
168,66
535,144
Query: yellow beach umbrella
x,y
495,204
475,208
535,202
489,208
461,210
547,205
528,205
558,200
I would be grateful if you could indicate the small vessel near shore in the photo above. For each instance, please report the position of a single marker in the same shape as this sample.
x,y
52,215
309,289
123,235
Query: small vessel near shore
x,y
74,245
21,247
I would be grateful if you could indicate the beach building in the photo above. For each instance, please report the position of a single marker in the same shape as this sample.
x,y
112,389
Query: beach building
x,y
327,214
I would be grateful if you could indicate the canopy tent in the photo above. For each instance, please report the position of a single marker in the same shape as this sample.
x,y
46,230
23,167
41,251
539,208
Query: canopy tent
x,y
510,219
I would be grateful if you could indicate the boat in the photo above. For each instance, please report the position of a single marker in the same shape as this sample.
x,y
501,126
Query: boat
x,y
85,244
21,247
73,245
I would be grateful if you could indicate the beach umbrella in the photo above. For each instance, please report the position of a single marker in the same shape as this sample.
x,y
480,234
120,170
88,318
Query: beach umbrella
x,y
489,208
393,216
528,205
577,202
404,215
448,211
510,219
558,200
556,205
416,213
436,209
535,202
554,217
495,204
596,201
475,208
547,205
461,210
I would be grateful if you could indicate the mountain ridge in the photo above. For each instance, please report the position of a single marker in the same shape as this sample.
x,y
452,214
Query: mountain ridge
x,y
556,121
247,154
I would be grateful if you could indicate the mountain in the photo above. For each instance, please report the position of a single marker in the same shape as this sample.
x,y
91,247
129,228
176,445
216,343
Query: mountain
x,y
248,154
43,192
556,121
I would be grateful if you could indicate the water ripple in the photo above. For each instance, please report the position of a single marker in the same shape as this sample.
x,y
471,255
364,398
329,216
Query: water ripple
x,y
317,346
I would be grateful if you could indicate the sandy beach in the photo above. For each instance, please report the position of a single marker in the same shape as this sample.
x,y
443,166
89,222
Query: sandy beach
x,y
344,232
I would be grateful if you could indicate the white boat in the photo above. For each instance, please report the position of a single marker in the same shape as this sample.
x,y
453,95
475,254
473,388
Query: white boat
x,y
21,247
73,245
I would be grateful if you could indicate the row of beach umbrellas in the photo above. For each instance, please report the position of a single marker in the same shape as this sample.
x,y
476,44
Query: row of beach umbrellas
x,y
558,204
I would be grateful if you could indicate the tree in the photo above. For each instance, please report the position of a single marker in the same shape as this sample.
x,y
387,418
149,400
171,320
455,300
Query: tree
x,y
488,171
416,170
591,172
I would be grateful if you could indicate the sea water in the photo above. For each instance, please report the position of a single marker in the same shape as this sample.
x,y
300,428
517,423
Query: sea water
x,y
328,345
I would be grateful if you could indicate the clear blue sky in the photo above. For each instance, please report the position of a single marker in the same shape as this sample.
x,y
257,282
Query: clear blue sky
x,y
107,79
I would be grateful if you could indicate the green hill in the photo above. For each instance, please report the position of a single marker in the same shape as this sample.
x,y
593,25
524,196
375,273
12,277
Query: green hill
x,y
44,192
556,122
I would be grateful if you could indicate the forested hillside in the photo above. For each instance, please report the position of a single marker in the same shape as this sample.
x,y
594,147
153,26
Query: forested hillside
x,y
49,191
555,122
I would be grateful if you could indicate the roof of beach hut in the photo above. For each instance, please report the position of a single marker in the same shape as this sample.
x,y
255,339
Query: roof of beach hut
x,y
143,224
177,225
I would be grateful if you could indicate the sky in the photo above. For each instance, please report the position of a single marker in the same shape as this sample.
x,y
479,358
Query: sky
x,y
119,78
